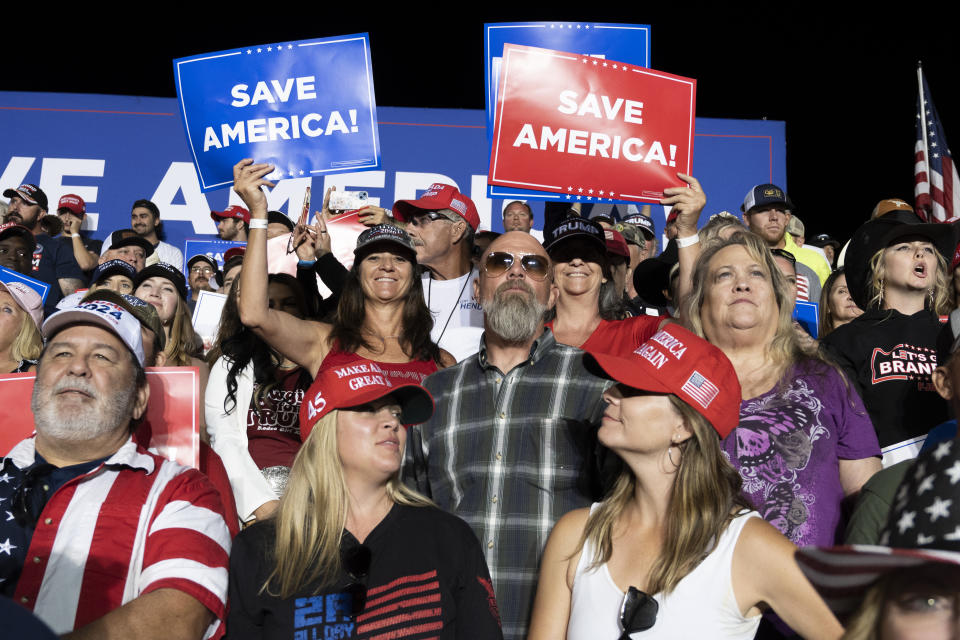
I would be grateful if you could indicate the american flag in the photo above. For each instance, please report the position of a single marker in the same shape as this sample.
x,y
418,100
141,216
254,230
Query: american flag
x,y
937,186
700,389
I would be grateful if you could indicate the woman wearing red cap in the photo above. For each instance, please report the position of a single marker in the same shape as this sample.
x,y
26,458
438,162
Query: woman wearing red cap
x,y
352,552
381,315
673,551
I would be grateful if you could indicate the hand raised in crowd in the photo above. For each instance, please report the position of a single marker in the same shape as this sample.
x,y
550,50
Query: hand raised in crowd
x,y
72,226
688,202
248,178
313,242
371,215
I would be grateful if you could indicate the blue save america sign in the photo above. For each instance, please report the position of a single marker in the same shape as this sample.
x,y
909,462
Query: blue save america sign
x,y
307,107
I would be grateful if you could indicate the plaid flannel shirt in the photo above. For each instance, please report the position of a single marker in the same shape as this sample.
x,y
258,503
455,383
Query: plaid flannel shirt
x,y
511,453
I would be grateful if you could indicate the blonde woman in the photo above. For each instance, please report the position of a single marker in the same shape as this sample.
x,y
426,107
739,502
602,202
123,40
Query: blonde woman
x,y
351,551
21,312
897,274
673,551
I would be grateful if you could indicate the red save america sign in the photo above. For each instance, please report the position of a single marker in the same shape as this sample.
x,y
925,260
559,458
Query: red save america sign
x,y
171,424
590,128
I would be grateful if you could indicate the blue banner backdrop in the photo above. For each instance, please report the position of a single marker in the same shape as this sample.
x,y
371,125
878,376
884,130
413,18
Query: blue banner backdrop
x,y
112,150
307,107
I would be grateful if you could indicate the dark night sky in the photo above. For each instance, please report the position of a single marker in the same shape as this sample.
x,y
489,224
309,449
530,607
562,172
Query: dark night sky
x,y
844,83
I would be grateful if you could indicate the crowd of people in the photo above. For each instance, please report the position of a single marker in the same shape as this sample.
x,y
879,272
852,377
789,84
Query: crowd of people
x,y
487,435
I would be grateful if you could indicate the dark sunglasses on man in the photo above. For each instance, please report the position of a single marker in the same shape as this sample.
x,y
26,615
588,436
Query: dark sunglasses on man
x,y
497,263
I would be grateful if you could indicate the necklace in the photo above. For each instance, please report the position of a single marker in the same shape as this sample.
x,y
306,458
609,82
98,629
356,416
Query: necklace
x,y
455,302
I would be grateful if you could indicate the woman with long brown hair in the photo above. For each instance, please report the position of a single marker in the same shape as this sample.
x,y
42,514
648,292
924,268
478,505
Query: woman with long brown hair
x,y
381,315
673,551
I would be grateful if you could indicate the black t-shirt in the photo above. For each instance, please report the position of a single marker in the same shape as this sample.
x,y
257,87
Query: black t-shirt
x,y
427,579
890,356
53,259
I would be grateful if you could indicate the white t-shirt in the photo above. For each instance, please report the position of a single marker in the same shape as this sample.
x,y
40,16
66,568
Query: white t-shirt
x,y
457,317
168,253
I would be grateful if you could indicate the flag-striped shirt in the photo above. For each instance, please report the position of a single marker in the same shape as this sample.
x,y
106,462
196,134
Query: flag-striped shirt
x,y
511,453
134,524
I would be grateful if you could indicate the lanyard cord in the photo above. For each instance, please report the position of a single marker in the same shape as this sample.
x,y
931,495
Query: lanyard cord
x,y
455,302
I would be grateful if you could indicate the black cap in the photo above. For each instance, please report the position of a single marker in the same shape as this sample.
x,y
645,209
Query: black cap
x,y
164,270
14,229
112,268
880,233
383,233
279,218
123,238
824,240
650,278
764,194
202,257
575,228
30,193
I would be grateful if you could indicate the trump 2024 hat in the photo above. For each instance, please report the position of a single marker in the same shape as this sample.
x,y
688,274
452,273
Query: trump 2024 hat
x,y
108,315
676,361
439,196
358,383
384,234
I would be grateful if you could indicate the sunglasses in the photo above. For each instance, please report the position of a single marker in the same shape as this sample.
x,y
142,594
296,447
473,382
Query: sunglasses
x,y
499,262
356,562
637,613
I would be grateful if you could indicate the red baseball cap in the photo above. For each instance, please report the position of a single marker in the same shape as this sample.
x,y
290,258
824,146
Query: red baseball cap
x,y
676,361
74,203
673,215
233,211
359,382
616,244
439,196
12,228
234,251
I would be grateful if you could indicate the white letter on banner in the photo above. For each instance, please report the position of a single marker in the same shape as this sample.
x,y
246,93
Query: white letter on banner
x,y
182,176
632,156
550,139
633,112
261,93
51,181
278,128
478,193
305,90
656,154
589,106
16,172
291,191
335,123
305,125
357,180
407,182
237,133
577,142
257,130
283,93
569,105
526,137
210,139
599,142
239,91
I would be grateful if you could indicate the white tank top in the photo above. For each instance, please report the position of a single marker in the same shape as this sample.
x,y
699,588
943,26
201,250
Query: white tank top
x,y
701,606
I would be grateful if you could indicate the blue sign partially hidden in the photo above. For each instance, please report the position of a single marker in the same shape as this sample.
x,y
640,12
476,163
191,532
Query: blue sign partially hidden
x,y
621,42
808,315
42,288
308,107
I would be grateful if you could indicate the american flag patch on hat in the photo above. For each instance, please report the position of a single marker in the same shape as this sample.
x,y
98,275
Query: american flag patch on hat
x,y
700,389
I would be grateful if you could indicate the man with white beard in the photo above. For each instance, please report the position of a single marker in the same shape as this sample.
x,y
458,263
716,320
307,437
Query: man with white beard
x,y
510,447
101,537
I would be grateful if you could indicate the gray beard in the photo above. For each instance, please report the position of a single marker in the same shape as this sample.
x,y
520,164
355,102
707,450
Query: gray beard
x,y
514,318
92,421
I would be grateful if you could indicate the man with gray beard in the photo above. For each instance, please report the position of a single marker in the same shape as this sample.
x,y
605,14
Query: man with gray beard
x,y
510,447
103,539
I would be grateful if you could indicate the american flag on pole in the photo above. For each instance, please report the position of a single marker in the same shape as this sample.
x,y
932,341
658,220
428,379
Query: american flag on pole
x,y
700,389
936,184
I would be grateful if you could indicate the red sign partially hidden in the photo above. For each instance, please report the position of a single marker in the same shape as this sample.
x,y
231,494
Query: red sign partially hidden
x,y
592,129
172,423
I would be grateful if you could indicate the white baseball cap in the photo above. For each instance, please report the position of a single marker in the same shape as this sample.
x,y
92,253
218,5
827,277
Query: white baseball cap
x,y
108,315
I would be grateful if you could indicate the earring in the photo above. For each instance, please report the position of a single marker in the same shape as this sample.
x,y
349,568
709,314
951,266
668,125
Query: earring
x,y
670,454
881,295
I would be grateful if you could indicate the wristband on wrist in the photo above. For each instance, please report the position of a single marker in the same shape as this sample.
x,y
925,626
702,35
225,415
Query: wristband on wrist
x,y
306,264
688,241
71,235
258,223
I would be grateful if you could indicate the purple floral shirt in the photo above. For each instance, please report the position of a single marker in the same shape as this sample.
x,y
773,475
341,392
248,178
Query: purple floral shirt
x,y
788,446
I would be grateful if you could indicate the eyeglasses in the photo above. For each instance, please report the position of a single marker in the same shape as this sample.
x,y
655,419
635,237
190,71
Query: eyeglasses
x,y
637,613
200,269
499,262
428,216
356,562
